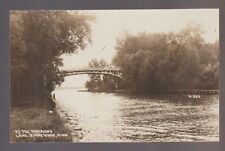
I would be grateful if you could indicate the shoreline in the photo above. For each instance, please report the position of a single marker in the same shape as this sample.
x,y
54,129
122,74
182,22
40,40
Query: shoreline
x,y
182,91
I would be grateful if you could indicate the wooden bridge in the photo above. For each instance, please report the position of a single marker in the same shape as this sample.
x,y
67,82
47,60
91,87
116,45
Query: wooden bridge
x,y
116,72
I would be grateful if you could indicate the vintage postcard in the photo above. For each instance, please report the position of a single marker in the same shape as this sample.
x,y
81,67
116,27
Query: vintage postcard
x,y
114,75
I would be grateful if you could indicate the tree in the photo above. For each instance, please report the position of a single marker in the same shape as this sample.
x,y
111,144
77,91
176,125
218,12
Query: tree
x,y
37,40
101,82
183,60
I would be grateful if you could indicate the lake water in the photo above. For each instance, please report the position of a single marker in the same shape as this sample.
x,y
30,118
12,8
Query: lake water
x,y
111,117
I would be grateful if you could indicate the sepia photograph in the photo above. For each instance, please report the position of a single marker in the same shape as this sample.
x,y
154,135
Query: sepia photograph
x,y
148,75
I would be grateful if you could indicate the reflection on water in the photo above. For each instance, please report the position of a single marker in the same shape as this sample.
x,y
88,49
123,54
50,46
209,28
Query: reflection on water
x,y
110,117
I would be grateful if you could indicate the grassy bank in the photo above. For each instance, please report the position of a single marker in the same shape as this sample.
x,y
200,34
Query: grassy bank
x,y
26,120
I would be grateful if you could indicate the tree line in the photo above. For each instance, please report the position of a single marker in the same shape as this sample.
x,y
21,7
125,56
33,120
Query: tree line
x,y
162,61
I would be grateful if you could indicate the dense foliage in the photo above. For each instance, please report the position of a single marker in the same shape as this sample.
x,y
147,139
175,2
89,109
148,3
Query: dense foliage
x,y
168,60
37,40
101,82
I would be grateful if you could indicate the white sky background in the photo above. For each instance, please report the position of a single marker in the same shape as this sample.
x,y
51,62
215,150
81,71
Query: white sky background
x,y
111,24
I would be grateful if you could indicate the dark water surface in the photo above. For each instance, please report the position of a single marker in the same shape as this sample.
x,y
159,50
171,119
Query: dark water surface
x,y
110,117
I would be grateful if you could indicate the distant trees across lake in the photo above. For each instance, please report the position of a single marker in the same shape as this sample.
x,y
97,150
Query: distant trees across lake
x,y
156,61
101,82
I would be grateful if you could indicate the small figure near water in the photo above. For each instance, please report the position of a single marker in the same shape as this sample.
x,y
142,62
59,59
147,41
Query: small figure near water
x,y
53,96
51,103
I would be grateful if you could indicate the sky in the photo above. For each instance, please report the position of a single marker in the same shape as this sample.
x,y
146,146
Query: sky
x,y
112,24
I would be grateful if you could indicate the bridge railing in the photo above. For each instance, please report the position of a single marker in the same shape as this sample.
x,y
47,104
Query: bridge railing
x,y
92,69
